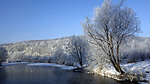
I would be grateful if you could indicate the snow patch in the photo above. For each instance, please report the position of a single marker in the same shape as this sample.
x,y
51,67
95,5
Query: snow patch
x,y
10,64
142,68
52,65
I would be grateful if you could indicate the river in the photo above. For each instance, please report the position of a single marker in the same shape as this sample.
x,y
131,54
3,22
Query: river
x,y
23,74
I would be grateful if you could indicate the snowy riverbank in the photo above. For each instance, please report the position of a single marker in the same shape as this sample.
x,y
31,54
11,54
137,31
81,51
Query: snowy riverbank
x,y
52,65
15,63
141,69
41,64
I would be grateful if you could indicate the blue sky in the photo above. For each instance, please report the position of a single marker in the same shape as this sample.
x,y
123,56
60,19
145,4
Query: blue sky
x,y
22,20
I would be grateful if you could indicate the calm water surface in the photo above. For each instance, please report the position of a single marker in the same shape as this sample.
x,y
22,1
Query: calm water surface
x,y
23,74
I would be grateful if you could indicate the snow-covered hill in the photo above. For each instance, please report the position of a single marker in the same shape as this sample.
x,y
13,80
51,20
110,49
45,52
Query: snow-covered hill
x,y
136,49
52,50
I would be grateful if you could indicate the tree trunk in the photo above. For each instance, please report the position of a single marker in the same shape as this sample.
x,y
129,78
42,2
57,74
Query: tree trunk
x,y
117,67
80,62
120,70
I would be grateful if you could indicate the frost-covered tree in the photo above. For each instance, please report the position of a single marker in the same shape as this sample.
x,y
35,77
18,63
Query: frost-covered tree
x,y
111,24
17,57
58,56
3,55
79,49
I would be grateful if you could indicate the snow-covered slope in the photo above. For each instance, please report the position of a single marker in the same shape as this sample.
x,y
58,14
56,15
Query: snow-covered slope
x,y
52,50
36,47
137,49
